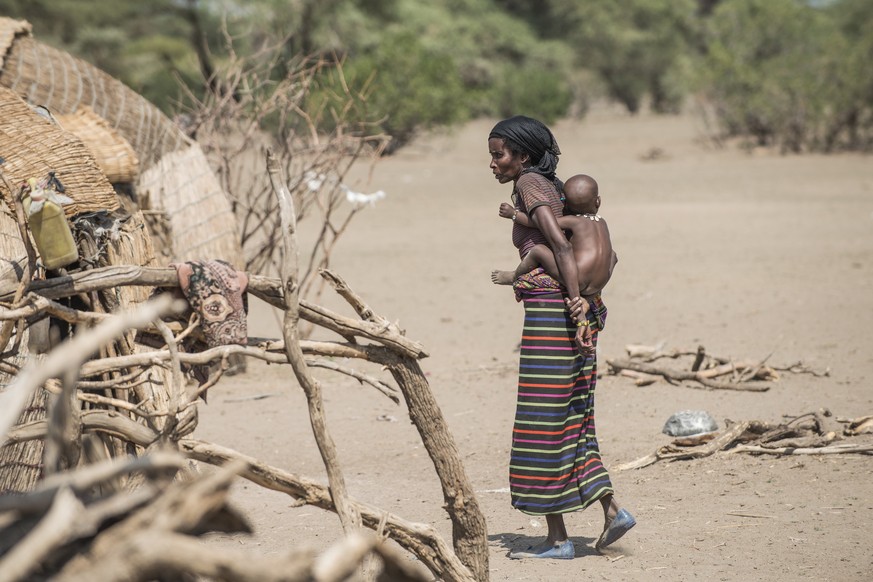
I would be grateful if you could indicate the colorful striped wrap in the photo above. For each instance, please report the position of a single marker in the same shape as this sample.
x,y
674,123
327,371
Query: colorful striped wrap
x,y
555,465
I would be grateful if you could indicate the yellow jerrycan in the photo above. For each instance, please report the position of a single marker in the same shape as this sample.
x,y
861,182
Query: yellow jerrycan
x,y
48,224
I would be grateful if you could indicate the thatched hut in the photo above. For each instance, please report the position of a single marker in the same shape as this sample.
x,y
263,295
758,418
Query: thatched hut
x,y
107,234
173,173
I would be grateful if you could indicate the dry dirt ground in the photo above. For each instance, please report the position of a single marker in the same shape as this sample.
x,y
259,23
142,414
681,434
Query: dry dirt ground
x,y
748,254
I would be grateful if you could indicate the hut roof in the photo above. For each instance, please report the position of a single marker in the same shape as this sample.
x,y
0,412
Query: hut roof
x,y
32,146
44,75
114,154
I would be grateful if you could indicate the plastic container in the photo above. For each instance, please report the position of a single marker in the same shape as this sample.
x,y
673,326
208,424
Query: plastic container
x,y
52,234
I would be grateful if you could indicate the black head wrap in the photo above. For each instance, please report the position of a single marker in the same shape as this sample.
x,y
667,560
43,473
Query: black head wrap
x,y
535,139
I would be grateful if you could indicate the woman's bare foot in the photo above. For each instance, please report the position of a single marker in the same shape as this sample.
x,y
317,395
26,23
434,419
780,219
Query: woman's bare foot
x,y
502,277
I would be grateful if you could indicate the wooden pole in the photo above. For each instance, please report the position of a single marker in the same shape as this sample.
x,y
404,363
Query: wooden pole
x,y
350,519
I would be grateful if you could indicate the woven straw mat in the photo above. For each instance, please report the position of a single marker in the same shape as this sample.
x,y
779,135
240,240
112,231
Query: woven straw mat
x,y
113,153
201,223
33,146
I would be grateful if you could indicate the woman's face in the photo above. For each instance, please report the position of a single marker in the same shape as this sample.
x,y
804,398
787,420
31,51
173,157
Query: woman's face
x,y
505,165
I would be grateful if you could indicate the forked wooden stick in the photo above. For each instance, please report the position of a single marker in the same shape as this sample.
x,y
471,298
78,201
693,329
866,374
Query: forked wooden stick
x,y
350,519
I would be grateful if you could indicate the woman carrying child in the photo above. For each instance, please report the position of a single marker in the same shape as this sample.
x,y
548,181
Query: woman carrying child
x,y
555,464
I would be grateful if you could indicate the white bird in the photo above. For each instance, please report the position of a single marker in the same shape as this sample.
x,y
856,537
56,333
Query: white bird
x,y
360,199
313,180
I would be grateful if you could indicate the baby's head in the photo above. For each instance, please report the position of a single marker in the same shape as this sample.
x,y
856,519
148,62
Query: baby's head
x,y
581,195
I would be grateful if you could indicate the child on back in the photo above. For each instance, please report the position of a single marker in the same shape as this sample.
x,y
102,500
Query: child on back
x,y
588,235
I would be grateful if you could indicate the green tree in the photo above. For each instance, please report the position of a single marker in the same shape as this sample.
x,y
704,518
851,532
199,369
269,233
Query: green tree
x,y
146,45
853,120
639,48
777,70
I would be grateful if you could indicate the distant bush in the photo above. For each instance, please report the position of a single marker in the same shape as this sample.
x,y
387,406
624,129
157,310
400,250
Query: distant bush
x,y
413,87
785,74
639,48
532,91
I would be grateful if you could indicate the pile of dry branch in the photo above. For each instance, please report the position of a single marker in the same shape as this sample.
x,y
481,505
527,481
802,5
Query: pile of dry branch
x,y
703,370
814,433
86,525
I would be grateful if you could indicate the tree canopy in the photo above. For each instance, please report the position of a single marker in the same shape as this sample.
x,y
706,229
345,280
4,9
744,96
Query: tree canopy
x,y
794,73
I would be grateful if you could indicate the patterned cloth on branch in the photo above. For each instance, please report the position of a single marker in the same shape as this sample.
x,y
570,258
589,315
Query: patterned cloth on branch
x,y
216,291
555,465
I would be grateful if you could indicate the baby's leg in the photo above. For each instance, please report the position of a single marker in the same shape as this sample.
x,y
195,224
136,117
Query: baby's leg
x,y
539,256
527,264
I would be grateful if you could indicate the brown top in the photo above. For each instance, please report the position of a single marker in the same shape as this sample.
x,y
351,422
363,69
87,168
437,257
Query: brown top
x,y
532,191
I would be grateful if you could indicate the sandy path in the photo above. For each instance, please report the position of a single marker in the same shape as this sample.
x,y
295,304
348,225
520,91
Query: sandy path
x,y
746,254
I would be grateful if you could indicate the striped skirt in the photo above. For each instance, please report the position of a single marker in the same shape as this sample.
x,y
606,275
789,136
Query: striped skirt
x,y
555,465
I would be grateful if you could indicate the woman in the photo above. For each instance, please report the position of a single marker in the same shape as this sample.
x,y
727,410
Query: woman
x,y
555,465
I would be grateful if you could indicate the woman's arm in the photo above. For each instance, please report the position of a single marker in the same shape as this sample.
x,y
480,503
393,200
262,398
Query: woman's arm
x,y
509,211
546,222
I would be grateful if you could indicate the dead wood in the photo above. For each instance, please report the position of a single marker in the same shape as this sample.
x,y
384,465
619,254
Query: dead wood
x,y
698,358
746,369
29,268
269,289
89,477
420,539
382,387
798,442
708,367
639,378
290,284
469,531
105,421
679,375
837,449
694,440
52,531
340,561
801,368
807,434
37,304
190,506
723,440
64,428
120,369
72,354
158,555
862,425
154,555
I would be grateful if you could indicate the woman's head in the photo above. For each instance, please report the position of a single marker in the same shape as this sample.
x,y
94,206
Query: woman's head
x,y
528,138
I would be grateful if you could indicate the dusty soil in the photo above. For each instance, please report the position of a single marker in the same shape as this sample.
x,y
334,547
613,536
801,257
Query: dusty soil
x,y
748,254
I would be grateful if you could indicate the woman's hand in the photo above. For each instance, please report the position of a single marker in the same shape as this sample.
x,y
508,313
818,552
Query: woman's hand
x,y
507,210
578,308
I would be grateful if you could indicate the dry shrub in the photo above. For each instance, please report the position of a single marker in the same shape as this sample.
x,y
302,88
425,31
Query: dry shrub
x,y
316,126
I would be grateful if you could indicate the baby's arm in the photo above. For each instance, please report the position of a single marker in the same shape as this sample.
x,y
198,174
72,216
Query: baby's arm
x,y
509,211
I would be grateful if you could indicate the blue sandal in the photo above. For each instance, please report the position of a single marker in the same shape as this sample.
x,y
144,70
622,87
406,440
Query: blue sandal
x,y
620,525
561,551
